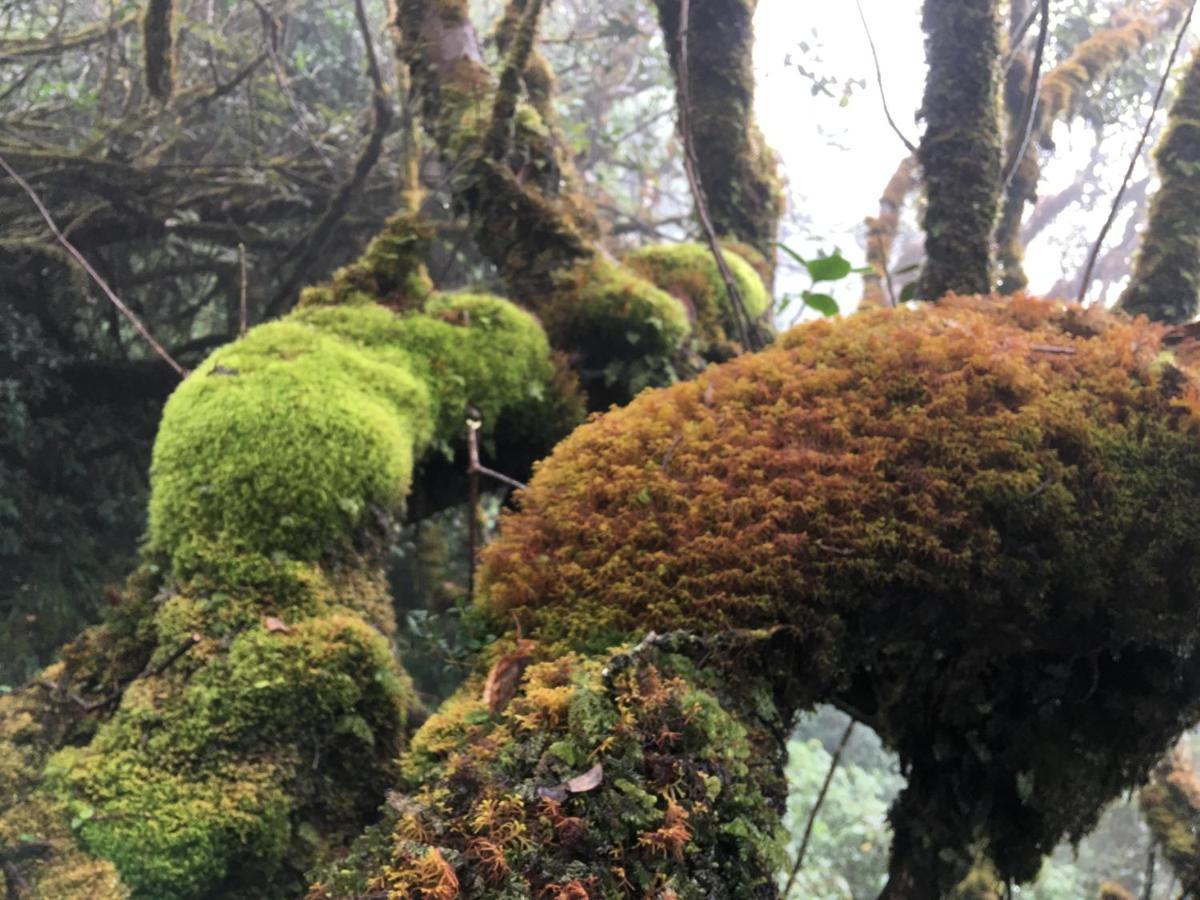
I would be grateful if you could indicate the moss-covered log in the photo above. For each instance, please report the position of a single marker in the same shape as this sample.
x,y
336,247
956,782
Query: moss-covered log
x,y
736,167
960,149
1166,276
1059,98
950,510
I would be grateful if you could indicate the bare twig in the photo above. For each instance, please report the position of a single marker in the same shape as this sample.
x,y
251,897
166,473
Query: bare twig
x,y
812,816
887,273
879,80
242,292
116,301
1137,154
1031,99
473,465
1017,38
691,168
1148,888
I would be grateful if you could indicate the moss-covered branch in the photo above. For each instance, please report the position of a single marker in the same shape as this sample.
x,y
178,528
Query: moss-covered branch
x,y
990,483
881,234
1170,805
1166,276
960,149
736,167
1061,92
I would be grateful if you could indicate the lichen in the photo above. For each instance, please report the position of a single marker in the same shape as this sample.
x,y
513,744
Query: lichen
x,y
994,480
689,273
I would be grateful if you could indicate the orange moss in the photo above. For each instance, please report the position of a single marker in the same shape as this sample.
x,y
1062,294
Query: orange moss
x,y
1014,488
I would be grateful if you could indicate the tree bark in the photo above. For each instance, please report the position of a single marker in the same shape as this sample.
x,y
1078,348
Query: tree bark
x,y
736,167
1166,276
881,235
960,150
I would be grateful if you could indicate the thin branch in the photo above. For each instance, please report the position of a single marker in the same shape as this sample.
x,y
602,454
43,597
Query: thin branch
x,y
912,148
473,465
306,251
1032,96
1016,40
1137,154
92,273
691,168
812,815
887,273
242,292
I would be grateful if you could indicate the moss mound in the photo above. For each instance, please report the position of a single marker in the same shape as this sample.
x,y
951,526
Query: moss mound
x,y
1171,807
689,273
1013,488
288,440
618,776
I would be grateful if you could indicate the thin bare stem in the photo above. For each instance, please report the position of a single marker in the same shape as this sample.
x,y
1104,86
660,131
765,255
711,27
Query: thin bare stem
x,y
1017,38
812,815
912,148
1137,154
1029,111
242,307
129,314
691,168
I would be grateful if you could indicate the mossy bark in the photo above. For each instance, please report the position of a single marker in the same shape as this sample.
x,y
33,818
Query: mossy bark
x,y
1058,100
960,149
736,167
1170,806
157,45
1166,276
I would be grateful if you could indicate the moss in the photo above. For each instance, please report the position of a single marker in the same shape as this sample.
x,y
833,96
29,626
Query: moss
x,y
960,150
1111,890
623,331
1166,276
192,780
689,273
390,272
322,416
881,233
1170,806
999,481
487,801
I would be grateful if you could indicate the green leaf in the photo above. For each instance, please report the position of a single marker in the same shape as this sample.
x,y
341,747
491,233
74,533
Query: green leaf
x,y
909,292
792,253
822,303
828,268
907,269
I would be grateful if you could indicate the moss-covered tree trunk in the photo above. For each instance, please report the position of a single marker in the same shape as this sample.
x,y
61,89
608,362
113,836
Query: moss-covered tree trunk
x,y
1059,98
1166,276
736,168
960,149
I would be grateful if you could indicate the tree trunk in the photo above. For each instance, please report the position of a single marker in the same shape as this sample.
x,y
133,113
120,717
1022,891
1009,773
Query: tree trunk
x,y
736,167
960,149
1166,276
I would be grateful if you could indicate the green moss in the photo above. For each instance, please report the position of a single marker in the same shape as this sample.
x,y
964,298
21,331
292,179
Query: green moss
x,y
995,480
192,781
290,439
1170,805
689,273
672,807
